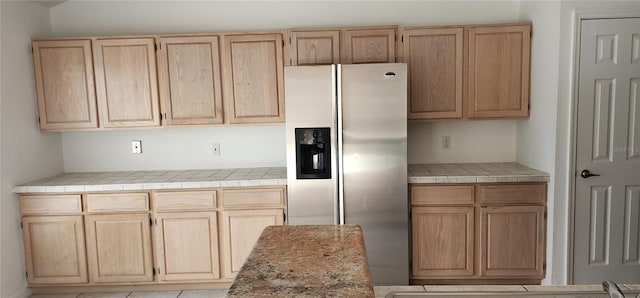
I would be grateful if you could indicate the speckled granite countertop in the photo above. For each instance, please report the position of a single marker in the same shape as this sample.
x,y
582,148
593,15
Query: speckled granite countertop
x,y
139,180
474,173
306,261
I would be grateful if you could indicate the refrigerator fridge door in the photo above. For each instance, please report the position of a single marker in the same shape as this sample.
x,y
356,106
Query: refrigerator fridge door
x,y
373,100
310,93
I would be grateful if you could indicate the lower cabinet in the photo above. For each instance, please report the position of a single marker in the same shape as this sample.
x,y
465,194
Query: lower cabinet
x,y
512,241
490,233
145,238
242,228
119,248
54,249
186,235
442,241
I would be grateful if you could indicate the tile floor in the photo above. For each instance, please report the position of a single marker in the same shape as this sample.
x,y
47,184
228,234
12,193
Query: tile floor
x,y
217,293
380,291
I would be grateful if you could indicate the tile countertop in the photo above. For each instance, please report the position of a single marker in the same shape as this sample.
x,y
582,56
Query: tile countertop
x,y
306,261
206,178
474,173
140,180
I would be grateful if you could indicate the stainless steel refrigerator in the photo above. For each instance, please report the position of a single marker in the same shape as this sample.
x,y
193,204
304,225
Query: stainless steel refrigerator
x,y
346,130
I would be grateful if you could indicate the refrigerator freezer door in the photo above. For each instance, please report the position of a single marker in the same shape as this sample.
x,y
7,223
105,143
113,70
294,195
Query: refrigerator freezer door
x,y
374,129
310,93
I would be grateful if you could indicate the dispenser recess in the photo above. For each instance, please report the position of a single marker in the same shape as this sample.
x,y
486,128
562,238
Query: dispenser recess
x,y
313,153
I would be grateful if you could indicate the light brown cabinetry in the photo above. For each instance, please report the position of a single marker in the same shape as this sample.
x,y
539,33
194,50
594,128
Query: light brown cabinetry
x,y
186,235
65,84
118,238
190,80
492,233
351,45
369,45
253,78
152,242
469,72
314,47
499,60
126,82
54,242
443,241
247,212
434,59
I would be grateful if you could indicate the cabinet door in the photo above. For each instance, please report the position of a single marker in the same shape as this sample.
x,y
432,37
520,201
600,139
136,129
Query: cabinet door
x,y
241,230
499,71
54,249
442,241
187,246
368,45
512,242
434,59
315,47
119,248
253,78
126,82
190,80
64,84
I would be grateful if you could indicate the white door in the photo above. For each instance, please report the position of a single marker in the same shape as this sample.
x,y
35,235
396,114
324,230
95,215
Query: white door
x,y
607,208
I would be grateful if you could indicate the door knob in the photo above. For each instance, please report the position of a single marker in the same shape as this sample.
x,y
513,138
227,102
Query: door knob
x,y
587,174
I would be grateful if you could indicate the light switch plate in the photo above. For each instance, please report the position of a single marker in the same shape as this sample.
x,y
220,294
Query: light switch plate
x,y
446,142
136,147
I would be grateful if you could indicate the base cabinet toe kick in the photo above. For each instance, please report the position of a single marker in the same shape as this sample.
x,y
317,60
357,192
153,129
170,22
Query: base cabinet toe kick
x,y
155,239
481,233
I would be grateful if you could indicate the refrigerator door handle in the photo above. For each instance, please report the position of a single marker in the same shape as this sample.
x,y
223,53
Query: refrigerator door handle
x,y
340,157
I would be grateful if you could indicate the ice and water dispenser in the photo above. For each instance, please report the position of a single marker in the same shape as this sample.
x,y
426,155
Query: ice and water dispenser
x,y
313,153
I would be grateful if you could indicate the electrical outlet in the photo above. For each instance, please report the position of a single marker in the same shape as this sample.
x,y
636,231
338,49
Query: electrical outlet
x,y
446,142
136,147
215,149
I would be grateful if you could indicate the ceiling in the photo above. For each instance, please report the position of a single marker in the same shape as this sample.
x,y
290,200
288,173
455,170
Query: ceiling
x,y
50,3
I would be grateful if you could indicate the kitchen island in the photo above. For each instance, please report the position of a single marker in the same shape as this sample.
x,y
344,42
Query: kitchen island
x,y
310,261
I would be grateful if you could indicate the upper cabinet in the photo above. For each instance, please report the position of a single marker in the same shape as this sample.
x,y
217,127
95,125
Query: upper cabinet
x,y
342,45
64,84
455,72
499,71
434,59
126,82
314,47
469,72
369,45
253,78
190,80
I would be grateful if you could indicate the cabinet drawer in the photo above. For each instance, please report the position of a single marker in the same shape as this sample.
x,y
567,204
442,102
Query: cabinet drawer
x,y
50,204
255,197
184,200
123,202
516,193
441,194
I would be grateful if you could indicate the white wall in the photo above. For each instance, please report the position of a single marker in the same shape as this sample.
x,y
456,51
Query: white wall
x,y
536,139
26,154
176,148
566,105
184,148
471,141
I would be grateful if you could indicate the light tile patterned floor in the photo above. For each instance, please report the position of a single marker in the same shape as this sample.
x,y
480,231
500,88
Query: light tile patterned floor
x,y
217,293
379,291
